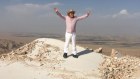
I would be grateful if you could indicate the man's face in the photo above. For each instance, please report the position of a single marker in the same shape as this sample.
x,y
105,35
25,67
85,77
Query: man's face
x,y
71,15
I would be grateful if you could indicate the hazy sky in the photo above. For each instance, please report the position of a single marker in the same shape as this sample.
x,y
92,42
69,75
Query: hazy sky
x,y
109,17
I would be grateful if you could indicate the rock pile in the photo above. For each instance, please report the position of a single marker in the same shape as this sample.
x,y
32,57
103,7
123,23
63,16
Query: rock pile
x,y
99,50
119,68
37,53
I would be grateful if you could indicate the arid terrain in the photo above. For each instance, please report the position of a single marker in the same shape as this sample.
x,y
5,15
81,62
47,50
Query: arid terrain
x,y
39,56
126,46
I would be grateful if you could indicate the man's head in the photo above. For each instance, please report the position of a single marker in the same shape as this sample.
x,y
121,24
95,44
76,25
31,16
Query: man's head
x,y
71,13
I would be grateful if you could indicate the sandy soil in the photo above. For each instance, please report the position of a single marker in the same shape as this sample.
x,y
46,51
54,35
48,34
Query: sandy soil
x,y
28,62
54,66
42,59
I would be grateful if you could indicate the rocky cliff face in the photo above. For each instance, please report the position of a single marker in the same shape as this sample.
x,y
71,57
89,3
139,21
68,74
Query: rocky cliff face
x,y
8,45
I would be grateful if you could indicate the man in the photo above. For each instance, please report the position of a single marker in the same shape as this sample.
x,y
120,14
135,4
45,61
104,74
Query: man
x,y
70,34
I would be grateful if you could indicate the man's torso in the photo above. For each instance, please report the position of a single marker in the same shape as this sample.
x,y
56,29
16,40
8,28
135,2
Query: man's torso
x,y
71,24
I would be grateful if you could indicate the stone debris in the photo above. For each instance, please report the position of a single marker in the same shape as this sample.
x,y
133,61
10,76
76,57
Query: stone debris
x,y
114,53
119,68
99,50
36,53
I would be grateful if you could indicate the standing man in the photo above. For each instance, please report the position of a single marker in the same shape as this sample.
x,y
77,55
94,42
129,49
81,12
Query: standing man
x,y
70,34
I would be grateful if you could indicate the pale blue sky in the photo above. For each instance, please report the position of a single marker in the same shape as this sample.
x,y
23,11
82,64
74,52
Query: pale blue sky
x,y
109,17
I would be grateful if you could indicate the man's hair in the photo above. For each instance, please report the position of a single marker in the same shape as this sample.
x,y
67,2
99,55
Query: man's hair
x,y
70,11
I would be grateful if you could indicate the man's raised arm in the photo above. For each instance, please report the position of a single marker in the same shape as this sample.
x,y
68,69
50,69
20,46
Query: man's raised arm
x,y
84,16
58,13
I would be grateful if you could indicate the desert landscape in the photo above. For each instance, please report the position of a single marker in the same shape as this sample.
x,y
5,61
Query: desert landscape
x,y
39,56
125,45
35,34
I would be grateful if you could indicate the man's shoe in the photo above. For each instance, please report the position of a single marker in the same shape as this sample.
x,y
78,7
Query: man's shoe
x,y
65,55
75,56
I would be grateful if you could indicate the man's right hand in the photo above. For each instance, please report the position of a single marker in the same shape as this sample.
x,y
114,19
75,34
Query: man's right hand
x,y
55,9
89,12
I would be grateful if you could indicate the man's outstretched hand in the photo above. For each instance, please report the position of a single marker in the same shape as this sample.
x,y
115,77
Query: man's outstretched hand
x,y
88,12
55,9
